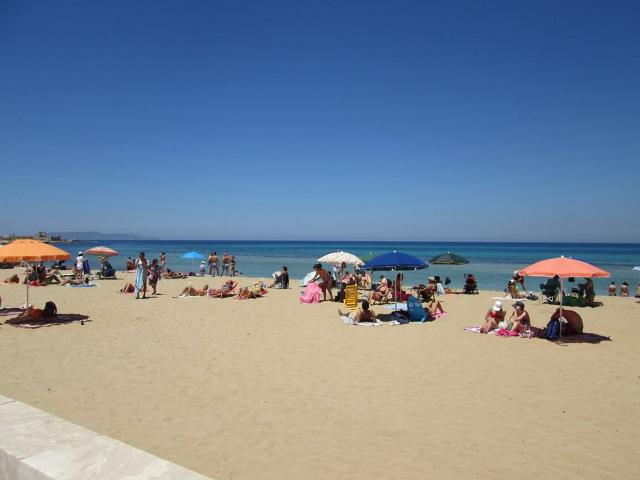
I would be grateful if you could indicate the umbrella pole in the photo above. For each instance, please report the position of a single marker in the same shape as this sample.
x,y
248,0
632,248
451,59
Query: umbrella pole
x,y
561,300
27,279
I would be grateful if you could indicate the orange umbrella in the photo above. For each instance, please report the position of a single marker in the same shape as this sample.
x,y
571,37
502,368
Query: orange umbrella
x,y
564,268
31,251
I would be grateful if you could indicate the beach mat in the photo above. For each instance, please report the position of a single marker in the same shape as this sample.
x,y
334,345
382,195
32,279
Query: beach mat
x,y
27,322
10,311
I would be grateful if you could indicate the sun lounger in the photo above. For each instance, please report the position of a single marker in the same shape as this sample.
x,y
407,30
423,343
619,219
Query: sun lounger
x,y
223,292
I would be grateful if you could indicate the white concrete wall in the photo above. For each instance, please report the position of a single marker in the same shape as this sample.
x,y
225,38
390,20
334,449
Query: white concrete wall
x,y
37,446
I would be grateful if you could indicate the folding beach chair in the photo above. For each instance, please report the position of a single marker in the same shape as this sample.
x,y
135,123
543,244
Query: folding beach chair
x,y
351,297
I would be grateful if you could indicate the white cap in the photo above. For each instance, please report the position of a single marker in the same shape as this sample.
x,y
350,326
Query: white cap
x,y
515,272
497,306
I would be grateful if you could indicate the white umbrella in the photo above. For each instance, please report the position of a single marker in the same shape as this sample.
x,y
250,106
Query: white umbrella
x,y
101,251
340,257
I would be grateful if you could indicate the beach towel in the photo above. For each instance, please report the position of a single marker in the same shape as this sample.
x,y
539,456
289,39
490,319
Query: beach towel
x,y
477,330
503,332
348,320
311,293
140,278
10,311
28,322
395,306
84,285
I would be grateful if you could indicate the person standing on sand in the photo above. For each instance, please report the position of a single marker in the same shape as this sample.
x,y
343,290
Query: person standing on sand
x,y
233,265
142,273
327,281
214,264
154,275
79,264
163,261
226,263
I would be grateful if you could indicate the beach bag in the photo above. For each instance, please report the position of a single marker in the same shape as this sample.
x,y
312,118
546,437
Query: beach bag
x,y
400,316
50,310
552,331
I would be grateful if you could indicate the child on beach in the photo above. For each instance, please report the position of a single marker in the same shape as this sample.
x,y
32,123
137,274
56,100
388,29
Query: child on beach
x,y
612,289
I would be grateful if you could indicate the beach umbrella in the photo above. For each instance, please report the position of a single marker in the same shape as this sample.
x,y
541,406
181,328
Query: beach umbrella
x,y
340,257
394,261
192,256
564,268
31,251
448,259
101,251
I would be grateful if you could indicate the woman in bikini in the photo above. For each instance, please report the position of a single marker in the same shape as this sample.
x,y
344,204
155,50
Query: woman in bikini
x,y
381,293
194,292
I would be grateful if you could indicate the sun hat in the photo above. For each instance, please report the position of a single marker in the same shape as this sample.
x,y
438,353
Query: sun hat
x,y
497,306
79,253
518,304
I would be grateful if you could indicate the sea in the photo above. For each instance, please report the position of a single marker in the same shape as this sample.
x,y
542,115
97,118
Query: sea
x,y
492,263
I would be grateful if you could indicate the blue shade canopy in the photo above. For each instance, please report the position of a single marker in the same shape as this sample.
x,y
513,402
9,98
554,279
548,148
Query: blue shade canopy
x,y
395,261
192,255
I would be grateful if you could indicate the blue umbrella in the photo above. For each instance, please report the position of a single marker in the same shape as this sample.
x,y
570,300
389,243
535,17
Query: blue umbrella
x,y
395,261
192,256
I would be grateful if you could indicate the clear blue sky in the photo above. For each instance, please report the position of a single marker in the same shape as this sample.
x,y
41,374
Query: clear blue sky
x,y
322,120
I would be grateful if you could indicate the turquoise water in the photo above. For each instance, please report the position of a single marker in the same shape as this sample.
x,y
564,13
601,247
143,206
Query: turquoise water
x,y
492,263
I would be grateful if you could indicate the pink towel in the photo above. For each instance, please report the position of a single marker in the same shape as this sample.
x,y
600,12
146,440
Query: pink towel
x,y
503,332
311,293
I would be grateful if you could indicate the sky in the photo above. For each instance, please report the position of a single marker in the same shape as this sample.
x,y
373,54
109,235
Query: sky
x,y
397,120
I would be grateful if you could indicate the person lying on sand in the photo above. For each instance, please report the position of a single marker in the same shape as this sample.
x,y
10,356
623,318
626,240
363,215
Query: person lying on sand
x,y
128,288
194,292
75,281
493,317
12,279
364,314
171,274
255,291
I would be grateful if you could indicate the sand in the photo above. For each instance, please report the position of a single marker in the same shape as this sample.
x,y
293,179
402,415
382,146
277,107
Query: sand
x,y
272,389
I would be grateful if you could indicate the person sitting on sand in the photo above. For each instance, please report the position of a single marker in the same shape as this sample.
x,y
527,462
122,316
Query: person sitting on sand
x,y
364,314
131,265
434,307
493,317
638,290
52,277
519,318
128,288
573,325
397,293
190,291
612,289
363,279
12,279
427,293
519,279
327,281
624,289
381,293
281,278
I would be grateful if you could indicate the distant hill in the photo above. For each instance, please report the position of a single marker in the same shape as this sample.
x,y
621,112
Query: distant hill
x,y
100,236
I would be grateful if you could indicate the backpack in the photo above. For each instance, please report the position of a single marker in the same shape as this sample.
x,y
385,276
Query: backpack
x,y
50,310
552,330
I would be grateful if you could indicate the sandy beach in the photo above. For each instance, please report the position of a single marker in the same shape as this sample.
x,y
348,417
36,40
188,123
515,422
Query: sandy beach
x,y
271,388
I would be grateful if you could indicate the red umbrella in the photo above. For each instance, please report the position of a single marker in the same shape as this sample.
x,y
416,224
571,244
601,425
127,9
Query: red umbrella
x,y
564,268
101,251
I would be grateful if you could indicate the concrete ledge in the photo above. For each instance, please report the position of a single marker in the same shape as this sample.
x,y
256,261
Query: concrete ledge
x,y
37,446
